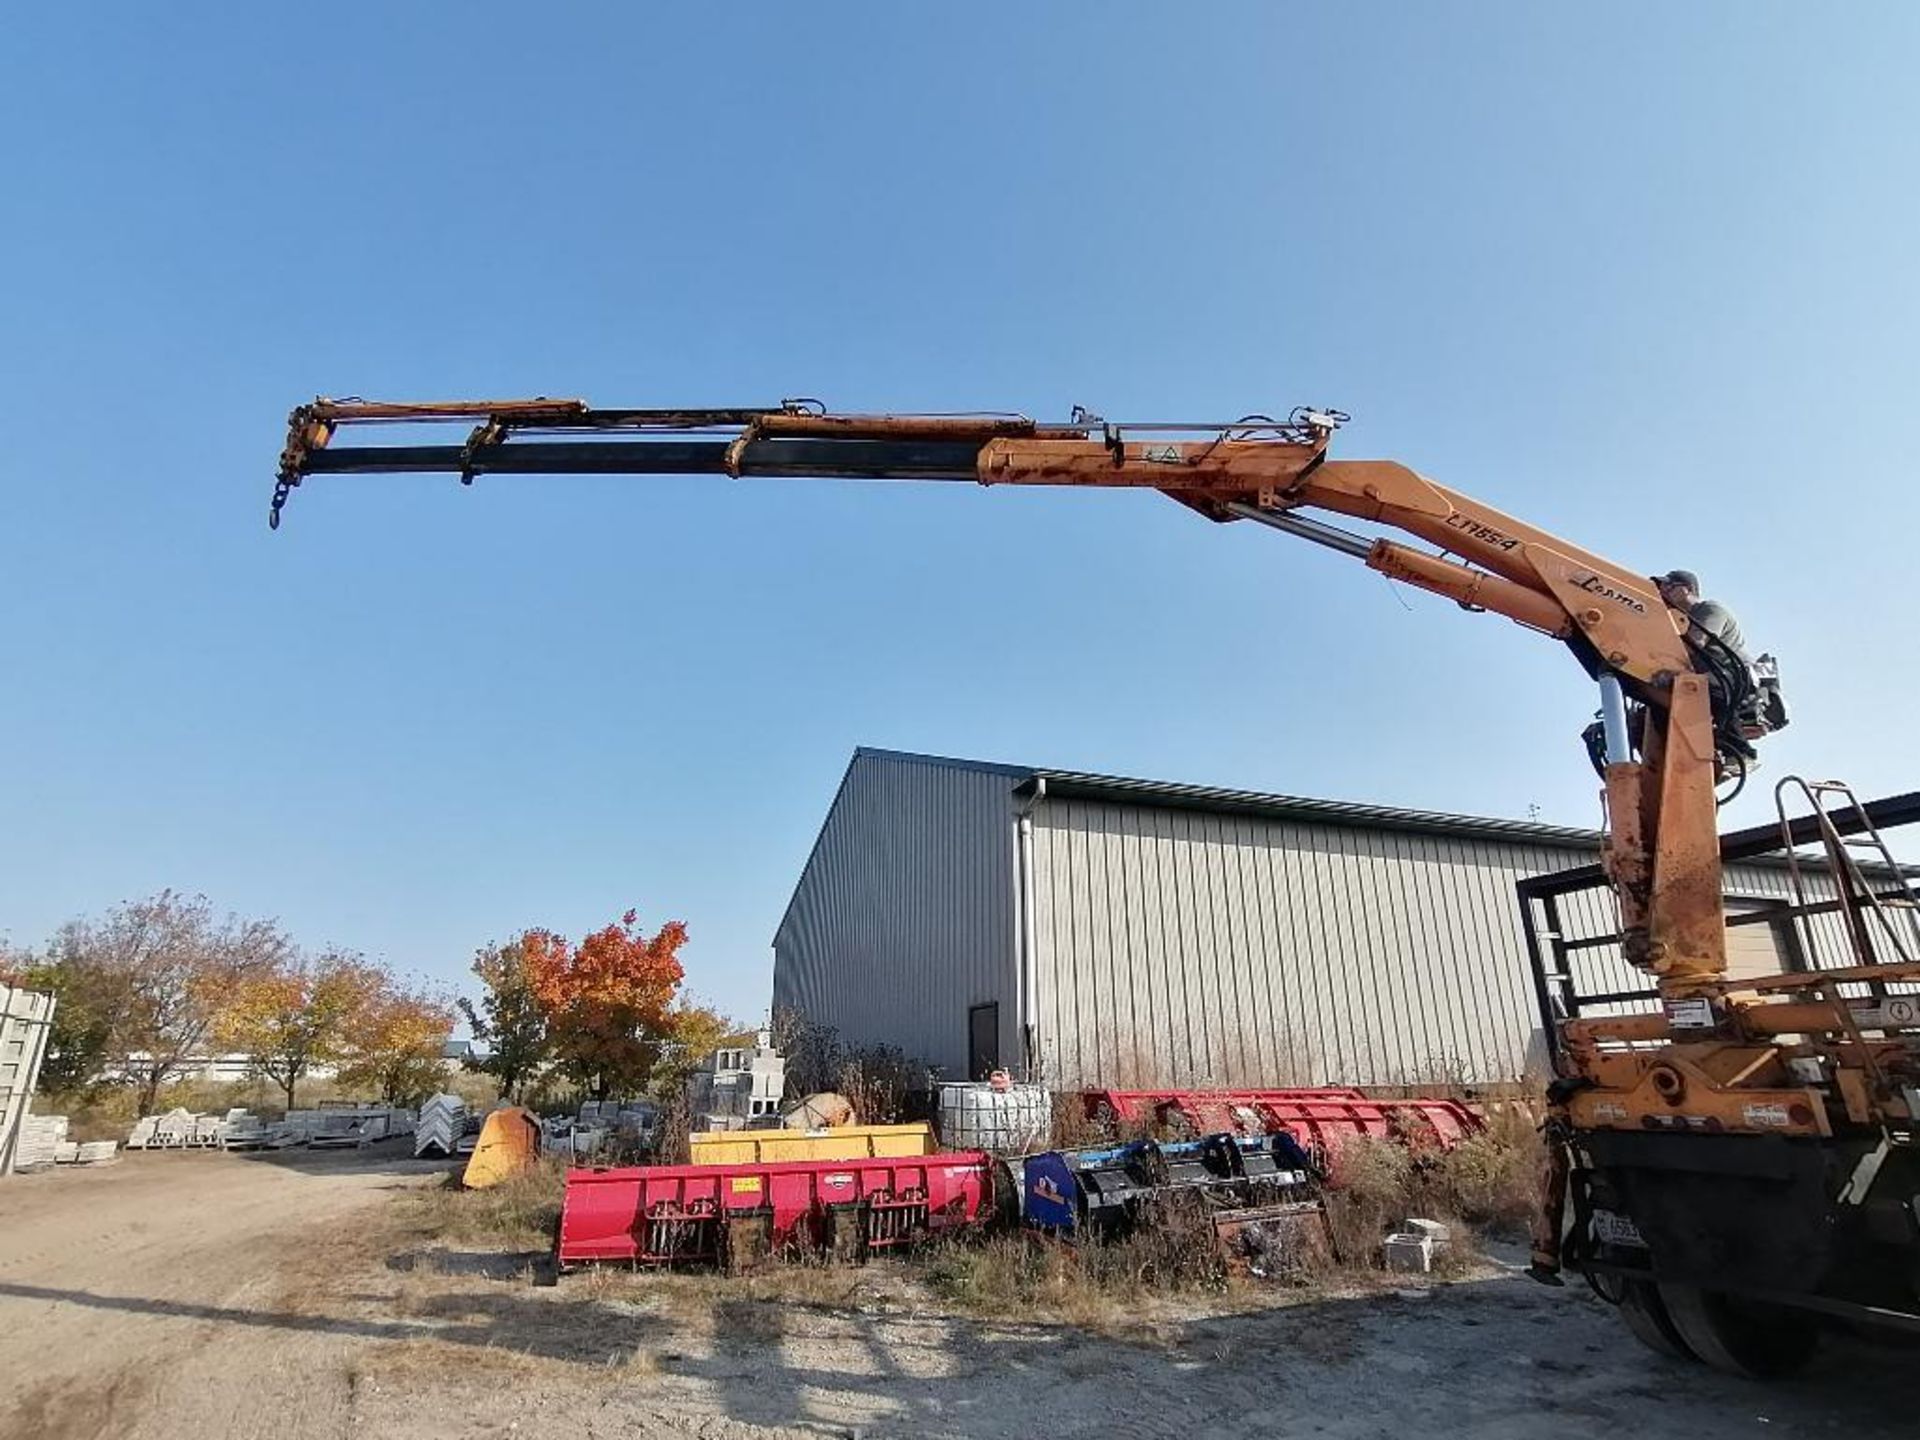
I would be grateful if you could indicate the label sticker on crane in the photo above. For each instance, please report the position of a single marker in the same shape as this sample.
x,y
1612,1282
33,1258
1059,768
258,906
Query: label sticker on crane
x,y
1696,1014
746,1184
1162,455
1896,1012
1771,1117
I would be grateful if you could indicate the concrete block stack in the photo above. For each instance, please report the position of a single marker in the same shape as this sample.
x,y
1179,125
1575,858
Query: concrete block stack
x,y
739,1089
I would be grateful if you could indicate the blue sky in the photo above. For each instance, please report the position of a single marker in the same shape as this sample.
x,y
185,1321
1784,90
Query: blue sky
x,y
1643,275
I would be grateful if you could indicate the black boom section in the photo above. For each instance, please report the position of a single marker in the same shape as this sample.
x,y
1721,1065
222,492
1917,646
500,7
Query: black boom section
x,y
906,459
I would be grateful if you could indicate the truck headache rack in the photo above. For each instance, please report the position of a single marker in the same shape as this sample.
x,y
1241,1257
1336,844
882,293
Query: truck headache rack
x,y
1572,941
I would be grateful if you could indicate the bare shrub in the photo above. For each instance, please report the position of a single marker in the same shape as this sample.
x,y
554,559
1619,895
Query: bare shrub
x,y
1492,1179
880,1082
1371,1186
883,1083
1072,1128
1485,1181
671,1130
812,1051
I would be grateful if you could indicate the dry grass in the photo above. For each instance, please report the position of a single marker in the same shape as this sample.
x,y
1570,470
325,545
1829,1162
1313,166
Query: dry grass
x,y
1165,1269
519,1213
1370,1189
1485,1183
1072,1127
1492,1179
1095,1283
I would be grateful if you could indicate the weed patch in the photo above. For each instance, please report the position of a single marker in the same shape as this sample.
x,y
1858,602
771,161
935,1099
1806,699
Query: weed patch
x,y
519,1213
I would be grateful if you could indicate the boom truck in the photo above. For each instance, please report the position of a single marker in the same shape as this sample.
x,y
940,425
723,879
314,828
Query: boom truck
x,y
1739,1155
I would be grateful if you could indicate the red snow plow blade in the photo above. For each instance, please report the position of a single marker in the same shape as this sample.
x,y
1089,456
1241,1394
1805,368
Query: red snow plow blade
x,y
1320,1119
732,1215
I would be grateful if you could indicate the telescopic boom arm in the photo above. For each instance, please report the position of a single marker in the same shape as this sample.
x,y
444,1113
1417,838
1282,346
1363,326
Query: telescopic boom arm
x,y
1663,850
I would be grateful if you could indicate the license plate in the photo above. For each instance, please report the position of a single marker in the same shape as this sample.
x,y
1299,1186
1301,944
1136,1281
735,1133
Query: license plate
x,y
1611,1228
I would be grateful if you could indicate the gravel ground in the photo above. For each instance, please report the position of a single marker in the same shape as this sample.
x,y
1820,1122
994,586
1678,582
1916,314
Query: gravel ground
x,y
229,1297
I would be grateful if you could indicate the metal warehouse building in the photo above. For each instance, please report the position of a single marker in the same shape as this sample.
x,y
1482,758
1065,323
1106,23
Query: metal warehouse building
x,y
1090,930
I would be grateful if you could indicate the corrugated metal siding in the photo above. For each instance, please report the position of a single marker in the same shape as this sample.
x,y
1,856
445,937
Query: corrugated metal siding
x,y
1178,947
905,914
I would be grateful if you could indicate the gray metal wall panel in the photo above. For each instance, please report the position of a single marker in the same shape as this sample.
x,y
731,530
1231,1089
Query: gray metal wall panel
x,y
906,912
1178,947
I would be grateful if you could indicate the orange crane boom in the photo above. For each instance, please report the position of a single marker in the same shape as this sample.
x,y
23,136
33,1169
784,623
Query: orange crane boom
x,y
1664,856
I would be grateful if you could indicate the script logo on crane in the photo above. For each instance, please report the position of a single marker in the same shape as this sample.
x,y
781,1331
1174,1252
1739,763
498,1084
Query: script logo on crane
x,y
1594,585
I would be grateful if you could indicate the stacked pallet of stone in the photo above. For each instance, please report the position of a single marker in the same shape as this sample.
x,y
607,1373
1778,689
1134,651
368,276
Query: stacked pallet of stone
x,y
442,1123
97,1152
178,1129
41,1137
242,1130
26,1021
340,1129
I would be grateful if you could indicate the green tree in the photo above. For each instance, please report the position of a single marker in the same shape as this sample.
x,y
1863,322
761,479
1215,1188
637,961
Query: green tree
x,y
82,1031
509,1021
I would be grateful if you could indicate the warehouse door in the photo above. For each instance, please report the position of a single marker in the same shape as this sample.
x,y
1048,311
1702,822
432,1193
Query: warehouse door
x,y
1760,947
983,1041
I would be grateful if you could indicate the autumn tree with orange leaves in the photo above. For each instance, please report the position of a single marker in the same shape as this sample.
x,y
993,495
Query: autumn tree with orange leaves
x,y
303,1014
396,1043
607,1000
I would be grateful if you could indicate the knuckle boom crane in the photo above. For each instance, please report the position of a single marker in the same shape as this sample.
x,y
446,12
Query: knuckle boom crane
x,y
1673,1119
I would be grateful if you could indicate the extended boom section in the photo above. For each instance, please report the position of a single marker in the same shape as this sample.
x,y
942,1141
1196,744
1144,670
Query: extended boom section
x,y
1273,472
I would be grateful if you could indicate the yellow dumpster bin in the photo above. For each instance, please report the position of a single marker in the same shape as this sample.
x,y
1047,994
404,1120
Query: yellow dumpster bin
x,y
849,1142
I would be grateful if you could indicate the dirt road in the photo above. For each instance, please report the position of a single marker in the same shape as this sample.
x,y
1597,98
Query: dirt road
x,y
138,1298
231,1298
